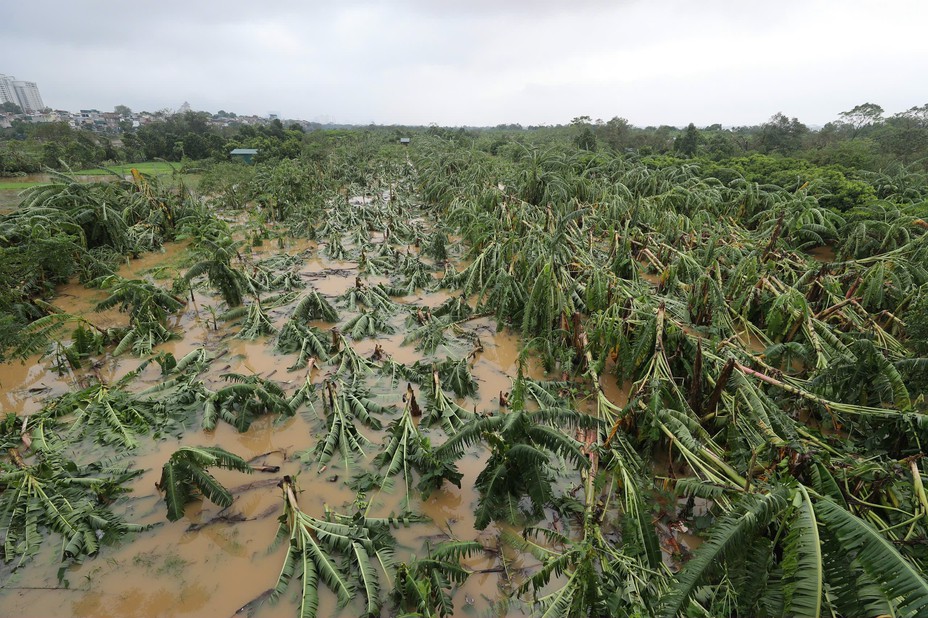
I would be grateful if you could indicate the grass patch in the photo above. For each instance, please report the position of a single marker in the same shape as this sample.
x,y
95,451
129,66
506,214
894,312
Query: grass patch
x,y
153,168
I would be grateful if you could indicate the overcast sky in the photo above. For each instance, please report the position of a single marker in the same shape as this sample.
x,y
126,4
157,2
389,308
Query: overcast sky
x,y
475,62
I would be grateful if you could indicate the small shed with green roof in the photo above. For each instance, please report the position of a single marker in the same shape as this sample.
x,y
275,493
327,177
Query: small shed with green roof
x,y
245,155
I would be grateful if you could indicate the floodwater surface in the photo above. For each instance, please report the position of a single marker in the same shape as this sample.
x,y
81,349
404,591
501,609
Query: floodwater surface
x,y
214,561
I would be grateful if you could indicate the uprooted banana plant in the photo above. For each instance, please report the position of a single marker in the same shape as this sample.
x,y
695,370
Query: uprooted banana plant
x,y
240,403
346,553
108,413
253,319
185,474
55,494
407,450
148,307
765,374
344,403
709,367
423,586
521,444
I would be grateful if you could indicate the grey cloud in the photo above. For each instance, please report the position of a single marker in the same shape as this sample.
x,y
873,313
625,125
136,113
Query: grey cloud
x,y
474,62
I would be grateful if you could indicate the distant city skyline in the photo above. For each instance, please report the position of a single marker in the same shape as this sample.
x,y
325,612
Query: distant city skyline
x,y
19,92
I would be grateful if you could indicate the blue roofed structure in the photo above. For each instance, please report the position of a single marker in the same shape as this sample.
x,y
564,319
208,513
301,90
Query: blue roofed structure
x,y
245,155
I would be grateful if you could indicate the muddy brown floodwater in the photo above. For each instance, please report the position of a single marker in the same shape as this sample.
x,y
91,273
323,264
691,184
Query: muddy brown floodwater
x,y
824,254
215,561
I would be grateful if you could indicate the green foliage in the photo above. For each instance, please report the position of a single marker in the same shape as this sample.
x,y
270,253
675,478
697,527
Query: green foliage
x,y
42,331
368,324
281,187
729,535
185,474
916,320
863,376
227,184
521,444
108,413
903,585
374,298
67,228
669,294
818,532
313,306
148,307
687,143
253,319
423,586
343,404
307,342
180,135
406,450
242,401
56,495
216,263
346,553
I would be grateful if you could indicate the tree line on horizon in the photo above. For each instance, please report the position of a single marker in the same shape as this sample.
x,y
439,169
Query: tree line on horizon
x,y
862,138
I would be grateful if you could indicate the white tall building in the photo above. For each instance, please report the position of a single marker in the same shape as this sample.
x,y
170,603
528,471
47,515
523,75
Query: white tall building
x,y
7,91
29,98
22,93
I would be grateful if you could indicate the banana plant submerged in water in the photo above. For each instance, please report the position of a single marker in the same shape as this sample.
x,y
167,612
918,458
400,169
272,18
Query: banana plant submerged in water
x,y
185,474
347,553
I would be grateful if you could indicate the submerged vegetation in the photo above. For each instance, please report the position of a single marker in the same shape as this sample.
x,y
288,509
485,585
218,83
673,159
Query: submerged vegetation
x,y
717,407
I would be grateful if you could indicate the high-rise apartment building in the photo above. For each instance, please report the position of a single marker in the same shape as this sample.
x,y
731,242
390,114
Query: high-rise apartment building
x,y
7,92
22,93
29,98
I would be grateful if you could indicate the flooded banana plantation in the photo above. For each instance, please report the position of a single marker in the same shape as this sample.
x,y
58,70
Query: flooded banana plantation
x,y
432,381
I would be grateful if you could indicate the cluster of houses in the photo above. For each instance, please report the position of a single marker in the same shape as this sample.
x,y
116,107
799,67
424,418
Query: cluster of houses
x,y
113,122
104,122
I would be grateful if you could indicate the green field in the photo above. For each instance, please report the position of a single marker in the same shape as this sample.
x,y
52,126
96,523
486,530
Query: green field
x,y
153,168
16,185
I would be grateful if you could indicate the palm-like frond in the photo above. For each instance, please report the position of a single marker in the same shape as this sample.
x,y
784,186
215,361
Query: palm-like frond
x,y
313,306
110,414
307,341
520,447
728,534
346,360
59,496
368,324
373,298
253,319
342,435
441,409
216,263
424,585
246,398
903,584
407,450
185,473
316,547
802,561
